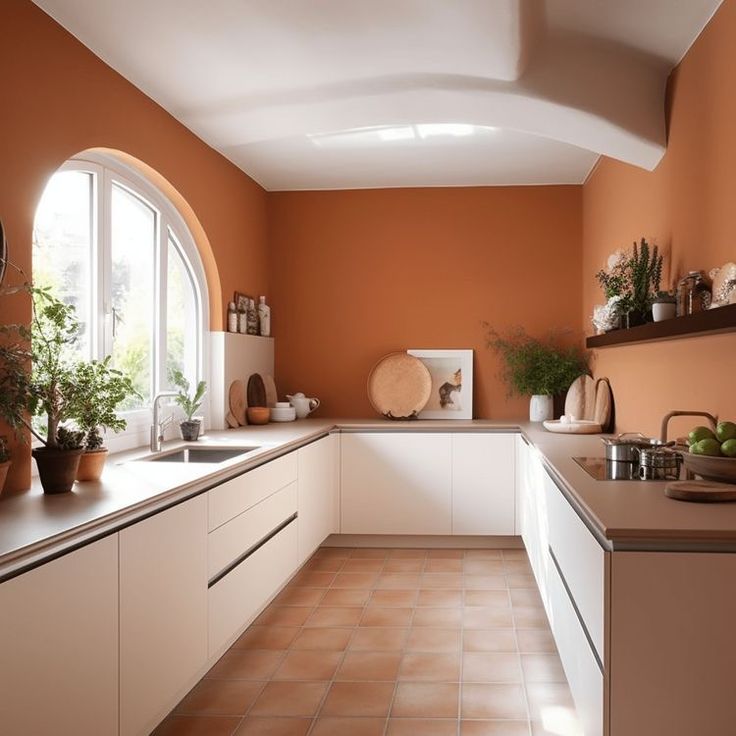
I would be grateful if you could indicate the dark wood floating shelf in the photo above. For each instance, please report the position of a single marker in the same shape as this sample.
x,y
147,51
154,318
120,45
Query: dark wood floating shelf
x,y
709,322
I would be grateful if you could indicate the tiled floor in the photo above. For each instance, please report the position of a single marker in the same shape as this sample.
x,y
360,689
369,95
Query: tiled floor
x,y
391,642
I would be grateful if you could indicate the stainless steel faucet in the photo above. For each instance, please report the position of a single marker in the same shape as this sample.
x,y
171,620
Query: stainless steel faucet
x,y
665,422
159,426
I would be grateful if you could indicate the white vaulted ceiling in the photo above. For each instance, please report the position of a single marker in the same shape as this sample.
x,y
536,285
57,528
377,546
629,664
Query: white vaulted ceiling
x,y
325,94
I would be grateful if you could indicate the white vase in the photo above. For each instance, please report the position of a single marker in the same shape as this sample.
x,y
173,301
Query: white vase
x,y
541,408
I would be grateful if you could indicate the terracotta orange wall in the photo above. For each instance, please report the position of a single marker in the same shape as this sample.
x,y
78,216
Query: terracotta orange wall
x,y
687,206
358,274
59,99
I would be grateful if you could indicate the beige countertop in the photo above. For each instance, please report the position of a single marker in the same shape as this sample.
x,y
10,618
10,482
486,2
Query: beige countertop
x,y
623,514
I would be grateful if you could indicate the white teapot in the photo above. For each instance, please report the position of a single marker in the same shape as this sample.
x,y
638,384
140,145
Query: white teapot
x,y
303,405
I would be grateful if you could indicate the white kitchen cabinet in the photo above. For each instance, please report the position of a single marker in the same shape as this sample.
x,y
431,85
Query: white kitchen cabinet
x,y
318,493
59,645
483,483
396,483
163,612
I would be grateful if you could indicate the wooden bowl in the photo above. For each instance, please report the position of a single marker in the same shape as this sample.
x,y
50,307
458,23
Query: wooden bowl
x,y
258,414
719,469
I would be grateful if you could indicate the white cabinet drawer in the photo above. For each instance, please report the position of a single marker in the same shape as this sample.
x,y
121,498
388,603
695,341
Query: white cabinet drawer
x,y
229,541
581,669
236,599
482,483
581,560
235,496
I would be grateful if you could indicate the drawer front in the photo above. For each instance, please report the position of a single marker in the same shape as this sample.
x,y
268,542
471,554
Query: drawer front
x,y
237,495
235,600
581,668
581,560
229,541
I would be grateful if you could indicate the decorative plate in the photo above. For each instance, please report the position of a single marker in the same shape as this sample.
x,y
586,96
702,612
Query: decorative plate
x,y
399,386
578,427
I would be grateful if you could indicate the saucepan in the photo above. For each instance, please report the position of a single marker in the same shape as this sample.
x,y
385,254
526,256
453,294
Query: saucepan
x,y
625,447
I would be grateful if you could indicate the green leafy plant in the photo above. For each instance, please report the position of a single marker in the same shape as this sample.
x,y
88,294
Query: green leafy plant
x,y
635,277
533,366
100,389
187,400
4,449
665,297
69,439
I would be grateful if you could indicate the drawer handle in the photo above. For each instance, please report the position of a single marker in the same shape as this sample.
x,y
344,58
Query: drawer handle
x,y
251,550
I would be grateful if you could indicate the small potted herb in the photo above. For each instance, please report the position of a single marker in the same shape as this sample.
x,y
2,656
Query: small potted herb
x,y
664,306
100,390
4,460
189,402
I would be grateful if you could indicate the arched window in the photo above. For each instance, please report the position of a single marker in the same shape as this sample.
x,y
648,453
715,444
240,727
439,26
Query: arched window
x,y
109,242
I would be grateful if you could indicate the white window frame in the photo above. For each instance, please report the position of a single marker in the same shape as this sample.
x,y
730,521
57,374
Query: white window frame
x,y
108,171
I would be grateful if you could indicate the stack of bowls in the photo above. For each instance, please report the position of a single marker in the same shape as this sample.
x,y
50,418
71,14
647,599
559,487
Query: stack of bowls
x,y
283,411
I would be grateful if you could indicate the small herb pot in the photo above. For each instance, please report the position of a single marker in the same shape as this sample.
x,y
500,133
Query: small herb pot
x,y
57,469
664,310
91,464
190,430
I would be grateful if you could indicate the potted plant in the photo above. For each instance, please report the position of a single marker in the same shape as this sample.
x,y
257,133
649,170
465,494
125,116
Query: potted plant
x,y
4,460
538,368
664,306
189,402
100,390
635,279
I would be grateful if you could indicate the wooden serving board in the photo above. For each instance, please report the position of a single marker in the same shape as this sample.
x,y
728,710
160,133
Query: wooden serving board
x,y
580,399
236,400
271,393
256,391
603,401
700,491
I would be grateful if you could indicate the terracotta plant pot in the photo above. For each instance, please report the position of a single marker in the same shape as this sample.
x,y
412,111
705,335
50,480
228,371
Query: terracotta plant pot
x,y
190,430
91,464
57,468
4,467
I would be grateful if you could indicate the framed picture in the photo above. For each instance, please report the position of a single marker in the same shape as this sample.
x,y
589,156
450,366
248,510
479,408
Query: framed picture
x,y
241,301
452,383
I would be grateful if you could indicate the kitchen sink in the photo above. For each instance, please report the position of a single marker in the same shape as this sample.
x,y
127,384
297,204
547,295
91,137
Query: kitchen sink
x,y
200,455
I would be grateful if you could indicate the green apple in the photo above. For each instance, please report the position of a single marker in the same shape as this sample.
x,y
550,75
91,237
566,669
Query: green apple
x,y
728,448
708,446
700,433
726,431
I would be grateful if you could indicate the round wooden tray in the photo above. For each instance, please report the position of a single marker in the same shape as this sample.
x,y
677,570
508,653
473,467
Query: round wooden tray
x,y
700,491
582,426
399,386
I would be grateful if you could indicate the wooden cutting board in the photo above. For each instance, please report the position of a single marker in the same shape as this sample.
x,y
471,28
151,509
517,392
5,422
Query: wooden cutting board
x,y
603,402
256,391
236,399
271,395
701,491
580,399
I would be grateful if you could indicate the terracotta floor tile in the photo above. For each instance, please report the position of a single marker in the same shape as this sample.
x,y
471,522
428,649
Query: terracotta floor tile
x,y
525,597
542,668
565,724
375,666
289,699
337,616
266,637
322,639
517,567
438,617
483,554
386,616
379,639
421,727
308,665
274,727
544,696
495,728
353,699
446,554
404,565
361,580
487,618
488,598
425,700
325,564
494,640
535,640
197,726
515,554
440,598
420,667
363,565
300,597
433,640
220,697
284,615
485,582
246,664
532,617
442,564
483,567
333,552
307,579
521,581
400,598
398,581
349,727
345,597
493,701
491,667
408,554
370,553
442,581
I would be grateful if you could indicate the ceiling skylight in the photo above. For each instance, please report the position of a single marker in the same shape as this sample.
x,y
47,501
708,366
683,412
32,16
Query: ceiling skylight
x,y
390,133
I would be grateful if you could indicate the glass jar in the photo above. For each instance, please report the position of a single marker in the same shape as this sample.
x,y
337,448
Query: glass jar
x,y
693,294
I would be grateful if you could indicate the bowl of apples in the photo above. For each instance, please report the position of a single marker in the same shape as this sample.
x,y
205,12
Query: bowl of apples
x,y
712,454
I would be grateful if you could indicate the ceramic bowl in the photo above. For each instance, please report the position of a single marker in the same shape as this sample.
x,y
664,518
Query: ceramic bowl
x,y
283,414
281,405
258,414
718,469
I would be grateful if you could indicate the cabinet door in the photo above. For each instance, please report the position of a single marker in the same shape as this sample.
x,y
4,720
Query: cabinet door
x,y
396,483
318,497
163,612
483,483
59,644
